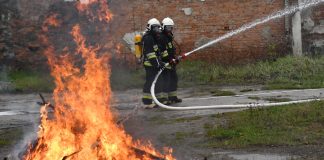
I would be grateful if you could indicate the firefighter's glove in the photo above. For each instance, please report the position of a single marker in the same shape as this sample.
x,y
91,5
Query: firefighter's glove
x,y
182,57
161,65
174,61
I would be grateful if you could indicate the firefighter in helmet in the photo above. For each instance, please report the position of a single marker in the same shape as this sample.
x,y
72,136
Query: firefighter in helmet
x,y
152,61
170,77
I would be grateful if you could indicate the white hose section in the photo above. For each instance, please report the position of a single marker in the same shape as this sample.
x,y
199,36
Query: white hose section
x,y
234,106
289,10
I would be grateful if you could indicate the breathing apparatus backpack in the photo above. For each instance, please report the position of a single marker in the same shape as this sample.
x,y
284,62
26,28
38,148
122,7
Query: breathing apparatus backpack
x,y
138,47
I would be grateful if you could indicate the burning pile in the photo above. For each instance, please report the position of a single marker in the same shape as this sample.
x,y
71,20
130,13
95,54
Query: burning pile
x,y
81,125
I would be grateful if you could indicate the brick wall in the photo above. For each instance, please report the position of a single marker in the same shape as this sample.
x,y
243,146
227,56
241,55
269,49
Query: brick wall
x,y
212,18
207,20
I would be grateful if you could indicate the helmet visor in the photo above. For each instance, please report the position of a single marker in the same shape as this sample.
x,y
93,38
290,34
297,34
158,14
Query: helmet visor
x,y
156,28
168,28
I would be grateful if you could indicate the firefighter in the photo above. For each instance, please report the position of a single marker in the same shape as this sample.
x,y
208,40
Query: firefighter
x,y
169,55
152,61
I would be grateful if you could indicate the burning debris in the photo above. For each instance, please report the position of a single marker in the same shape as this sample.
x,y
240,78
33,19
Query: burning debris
x,y
81,125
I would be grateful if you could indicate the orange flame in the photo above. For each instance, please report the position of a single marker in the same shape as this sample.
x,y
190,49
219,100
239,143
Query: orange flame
x,y
50,21
81,126
102,14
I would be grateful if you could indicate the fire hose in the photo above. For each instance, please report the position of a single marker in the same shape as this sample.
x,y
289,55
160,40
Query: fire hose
x,y
234,106
279,14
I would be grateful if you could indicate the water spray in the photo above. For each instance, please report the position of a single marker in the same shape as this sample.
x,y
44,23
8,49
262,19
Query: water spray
x,y
287,11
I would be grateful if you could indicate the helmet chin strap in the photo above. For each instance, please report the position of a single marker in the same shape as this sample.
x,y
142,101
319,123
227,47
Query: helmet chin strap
x,y
155,34
170,33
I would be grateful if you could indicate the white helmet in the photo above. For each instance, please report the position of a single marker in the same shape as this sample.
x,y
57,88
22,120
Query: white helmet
x,y
151,22
167,22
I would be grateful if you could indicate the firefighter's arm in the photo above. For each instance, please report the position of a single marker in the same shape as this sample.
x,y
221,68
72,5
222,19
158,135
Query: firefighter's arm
x,y
151,53
164,49
172,51
152,57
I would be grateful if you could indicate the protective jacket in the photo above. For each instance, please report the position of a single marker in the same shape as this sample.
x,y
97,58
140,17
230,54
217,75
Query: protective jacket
x,y
151,51
167,47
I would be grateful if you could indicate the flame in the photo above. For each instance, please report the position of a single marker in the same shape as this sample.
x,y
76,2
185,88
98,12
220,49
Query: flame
x,y
81,125
102,14
50,21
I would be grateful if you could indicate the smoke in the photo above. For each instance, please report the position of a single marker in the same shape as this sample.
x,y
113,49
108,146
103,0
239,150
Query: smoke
x,y
30,136
105,35
32,120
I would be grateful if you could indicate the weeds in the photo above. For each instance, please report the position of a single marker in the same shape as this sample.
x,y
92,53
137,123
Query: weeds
x,y
283,125
222,93
277,99
271,99
31,81
284,73
10,136
246,90
255,98
162,120
123,78
4,142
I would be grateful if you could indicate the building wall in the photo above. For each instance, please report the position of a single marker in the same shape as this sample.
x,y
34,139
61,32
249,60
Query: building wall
x,y
313,30
197,22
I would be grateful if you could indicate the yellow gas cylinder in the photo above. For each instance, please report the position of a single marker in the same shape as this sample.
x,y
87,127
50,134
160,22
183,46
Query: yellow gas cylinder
x,y
138,45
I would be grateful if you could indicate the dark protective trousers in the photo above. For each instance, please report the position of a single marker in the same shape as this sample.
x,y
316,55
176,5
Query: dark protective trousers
x,y
165,84
170,83
151,72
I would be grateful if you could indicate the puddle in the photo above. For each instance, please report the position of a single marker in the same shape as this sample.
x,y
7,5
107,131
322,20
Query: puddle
x,y
254,156
11,113
259,157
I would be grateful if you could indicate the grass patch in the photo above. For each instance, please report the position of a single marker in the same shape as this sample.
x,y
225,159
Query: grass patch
x,y
297,124
122,78
4,142
285,73
27,81
222,93
10,136
271,99
255,98
40,81
176,138
162,120
182,135
246,90
187,119
277,99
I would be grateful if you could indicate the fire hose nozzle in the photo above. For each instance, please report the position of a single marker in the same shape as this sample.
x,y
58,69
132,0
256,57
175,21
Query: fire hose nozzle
x,y
183,56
